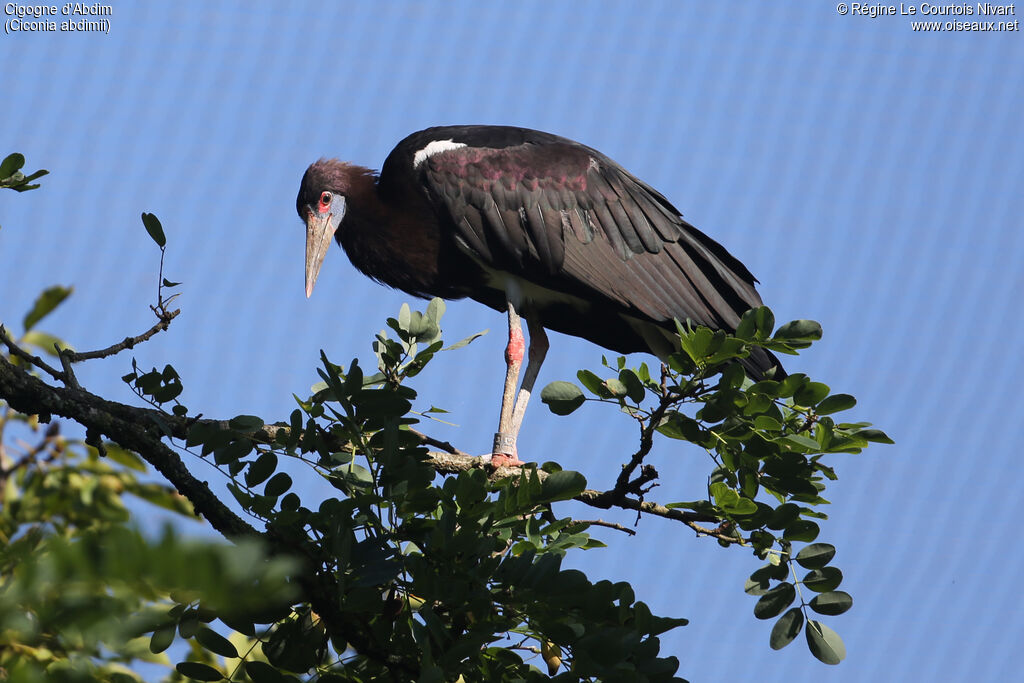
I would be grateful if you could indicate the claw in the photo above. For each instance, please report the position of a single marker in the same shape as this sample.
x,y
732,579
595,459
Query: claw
x,y
505,460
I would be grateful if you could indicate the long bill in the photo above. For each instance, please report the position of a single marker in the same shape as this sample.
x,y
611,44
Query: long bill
x,y
320,229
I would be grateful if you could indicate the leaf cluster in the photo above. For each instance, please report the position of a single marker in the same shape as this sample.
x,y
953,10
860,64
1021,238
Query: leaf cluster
x,y
766,440
79,587
11,176
460,577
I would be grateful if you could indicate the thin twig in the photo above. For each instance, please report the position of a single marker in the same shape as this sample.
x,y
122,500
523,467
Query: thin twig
x,y
27,357
65,362
610,525
622,482
165,320
436,443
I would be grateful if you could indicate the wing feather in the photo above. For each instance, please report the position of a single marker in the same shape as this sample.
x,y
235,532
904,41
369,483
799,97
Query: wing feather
x,y
572,220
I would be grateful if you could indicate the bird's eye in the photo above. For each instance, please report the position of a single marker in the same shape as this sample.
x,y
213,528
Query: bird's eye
x,y
325,199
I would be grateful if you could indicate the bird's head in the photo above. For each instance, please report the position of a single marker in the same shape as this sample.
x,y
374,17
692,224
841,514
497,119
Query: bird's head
x,y
321,204
330,190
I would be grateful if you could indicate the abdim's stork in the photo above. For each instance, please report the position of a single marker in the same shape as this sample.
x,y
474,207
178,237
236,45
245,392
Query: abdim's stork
x,y
533,224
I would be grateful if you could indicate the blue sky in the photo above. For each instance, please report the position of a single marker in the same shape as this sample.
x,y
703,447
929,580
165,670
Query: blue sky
x,y
869,175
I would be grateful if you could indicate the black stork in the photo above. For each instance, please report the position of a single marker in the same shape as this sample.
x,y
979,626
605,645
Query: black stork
x,y
534,225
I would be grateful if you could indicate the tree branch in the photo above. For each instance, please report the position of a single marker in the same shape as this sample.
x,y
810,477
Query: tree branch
x,y
122,424
623,485
453,463
137,430
165,318
21,353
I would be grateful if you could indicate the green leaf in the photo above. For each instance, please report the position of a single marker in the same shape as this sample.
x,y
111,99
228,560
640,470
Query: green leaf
x,y
198,671
562,398
702,506
435,310
353,475
125,457
260,469
162,496
44,305
757,323
32,176
799,330
634,387
824,579
237,449
162,638
835,403
216,643
678,426
261,672
876,435
155,230
562,485
824,643
278,484
462,342
12,177
404,317
766,423
593,383
615,387
11,164
699,343
832,602
731,501
418,326
760,581
786,629
783,516
243,498
801,530
246,423
799,443
775,600
810,393
747,325
816,555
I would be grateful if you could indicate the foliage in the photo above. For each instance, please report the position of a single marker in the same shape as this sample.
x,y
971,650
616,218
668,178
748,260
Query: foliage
x,y
11,176
766,441
421,564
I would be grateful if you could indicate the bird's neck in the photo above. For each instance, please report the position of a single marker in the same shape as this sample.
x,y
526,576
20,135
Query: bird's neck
x,y
393,239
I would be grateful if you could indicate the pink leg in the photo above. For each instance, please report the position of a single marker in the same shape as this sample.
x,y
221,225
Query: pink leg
x,y
504,451
538,349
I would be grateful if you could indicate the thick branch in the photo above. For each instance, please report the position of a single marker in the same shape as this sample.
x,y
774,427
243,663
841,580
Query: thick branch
x,y
121,424
453,463
450,461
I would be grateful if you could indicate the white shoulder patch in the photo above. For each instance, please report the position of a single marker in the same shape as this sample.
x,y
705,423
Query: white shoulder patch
x,y
432,148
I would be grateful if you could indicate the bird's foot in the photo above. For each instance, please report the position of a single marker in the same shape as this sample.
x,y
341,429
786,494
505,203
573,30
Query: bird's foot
x,y
504,453
505,460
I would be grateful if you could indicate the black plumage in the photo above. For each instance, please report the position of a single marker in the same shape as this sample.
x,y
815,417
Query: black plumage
x,y
592,251
536,225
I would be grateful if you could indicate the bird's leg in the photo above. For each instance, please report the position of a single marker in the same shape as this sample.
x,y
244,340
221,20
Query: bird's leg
x,y
538,349
504,451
